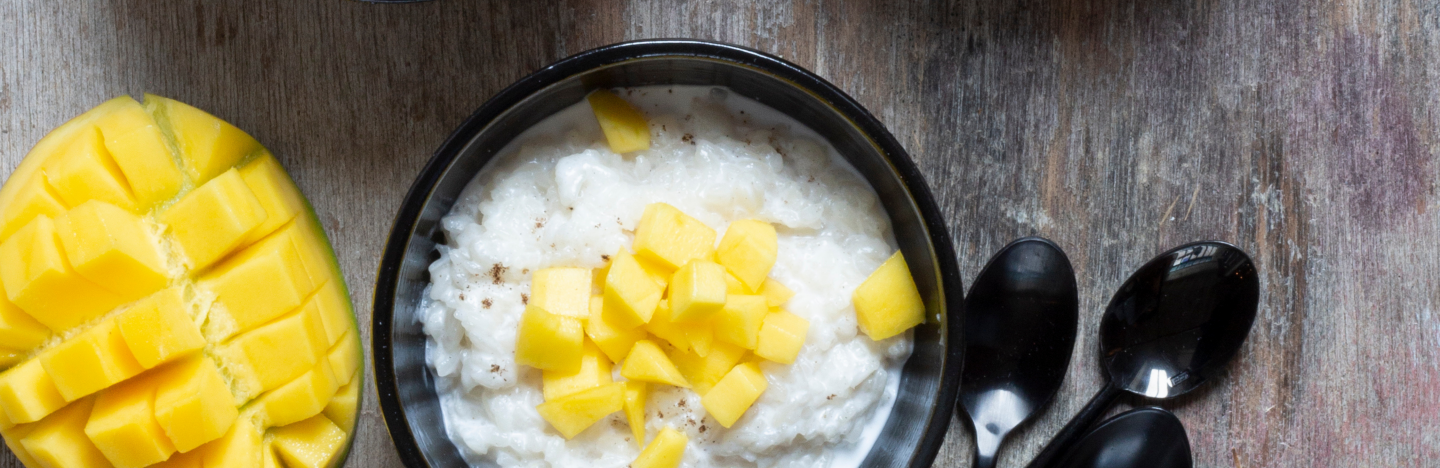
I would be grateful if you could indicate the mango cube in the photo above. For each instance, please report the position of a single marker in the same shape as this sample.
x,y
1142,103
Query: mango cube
x,y
748,250
562,291
739,322
594,371
664,452
274,267
661,326
776,294
615,341
703,372
111,247
18,330
139,150
624,126
647,363
701,336
658,271
308,444
733,285
96,358
334,306
193,404
276,193
9,357
59,440
214,219
122,425
35,198
734,394
208,146
84,171
341,408
549,341
781,337
697,291
636,393
573,413
27,393
630,295
345,357
41,282
274,353
301,398
159,328
240,447
888,302
194,459
671,238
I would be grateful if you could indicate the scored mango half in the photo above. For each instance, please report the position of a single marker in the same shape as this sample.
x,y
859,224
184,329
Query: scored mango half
x,y
168,297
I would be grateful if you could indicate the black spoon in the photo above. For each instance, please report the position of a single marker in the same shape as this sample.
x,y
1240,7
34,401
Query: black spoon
x,y
1169,328
1020,320
1139,438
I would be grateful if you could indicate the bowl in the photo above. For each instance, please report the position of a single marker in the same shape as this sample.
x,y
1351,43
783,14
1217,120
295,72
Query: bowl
x,y
930,378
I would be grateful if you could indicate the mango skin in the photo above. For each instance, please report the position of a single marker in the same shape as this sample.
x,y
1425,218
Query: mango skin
x,y
122,136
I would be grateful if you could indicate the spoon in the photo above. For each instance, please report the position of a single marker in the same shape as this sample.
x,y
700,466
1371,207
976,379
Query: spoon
x,y
1169,329
1020,320
1139,438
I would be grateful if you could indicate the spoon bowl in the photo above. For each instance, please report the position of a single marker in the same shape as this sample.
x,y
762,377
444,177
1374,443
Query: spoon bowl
x,y
1139,438
1169,328
1020,321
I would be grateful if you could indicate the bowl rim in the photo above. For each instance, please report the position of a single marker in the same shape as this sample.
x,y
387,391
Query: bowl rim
x,y
402,230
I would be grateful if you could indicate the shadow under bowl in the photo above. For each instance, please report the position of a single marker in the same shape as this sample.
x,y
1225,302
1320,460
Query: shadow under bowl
x,y
930,378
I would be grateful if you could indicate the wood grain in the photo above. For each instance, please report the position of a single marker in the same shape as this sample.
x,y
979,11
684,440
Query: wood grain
x,y
1305,132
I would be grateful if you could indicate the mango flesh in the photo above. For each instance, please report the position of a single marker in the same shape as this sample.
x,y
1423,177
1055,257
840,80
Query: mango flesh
x,y
664,452
573,413
624,126
748,250
647,363
781,336
735,393
168,298
672,238
888,302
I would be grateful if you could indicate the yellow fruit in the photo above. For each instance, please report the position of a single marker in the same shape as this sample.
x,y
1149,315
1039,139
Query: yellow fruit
x,y
341,409
888,302
734,394
664,452
573,413
776,294
734,286
697,291
738,323
112,248
624,126
661,326
647,363
308,444
614,340
781,337
139,246
703,372
122,425
594,371
549,341
562,291
658,271
671,238
748,250
630,295
636,393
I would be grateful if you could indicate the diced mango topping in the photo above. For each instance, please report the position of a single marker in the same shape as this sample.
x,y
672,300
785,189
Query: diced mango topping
x,y
697,291
703,372
614,340
562,291
664,452
888,302
141,244
671,238
573,413
630,295
734,394
636,393
647,363
748,250
594,371
624,126
549,341
781,336
738,323
776,294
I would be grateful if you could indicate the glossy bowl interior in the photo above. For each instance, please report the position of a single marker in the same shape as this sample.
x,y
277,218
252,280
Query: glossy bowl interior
x,y
930,378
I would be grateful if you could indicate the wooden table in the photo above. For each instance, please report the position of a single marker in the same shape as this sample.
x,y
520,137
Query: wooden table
x,y
1305,134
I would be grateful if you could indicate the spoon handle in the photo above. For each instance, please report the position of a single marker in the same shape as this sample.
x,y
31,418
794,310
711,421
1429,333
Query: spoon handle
x,y
987,447
1060,445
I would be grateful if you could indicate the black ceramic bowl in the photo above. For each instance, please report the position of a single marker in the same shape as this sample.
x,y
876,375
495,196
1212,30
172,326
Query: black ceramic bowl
x,y
930,378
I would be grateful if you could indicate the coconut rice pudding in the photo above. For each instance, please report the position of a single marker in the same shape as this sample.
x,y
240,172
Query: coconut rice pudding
x,y
601,268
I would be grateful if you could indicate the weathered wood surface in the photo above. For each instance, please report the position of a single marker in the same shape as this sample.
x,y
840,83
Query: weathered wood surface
x,y
1304,133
